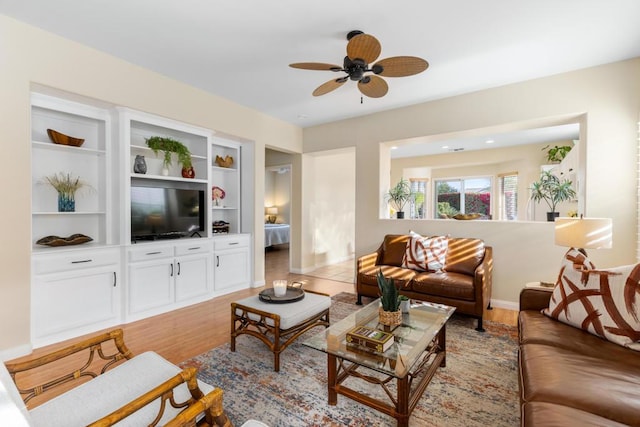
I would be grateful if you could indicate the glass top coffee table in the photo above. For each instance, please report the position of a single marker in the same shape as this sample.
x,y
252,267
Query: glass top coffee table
x,y
419,349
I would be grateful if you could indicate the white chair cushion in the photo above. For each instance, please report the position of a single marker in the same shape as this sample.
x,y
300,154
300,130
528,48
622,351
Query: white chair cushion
x,y
291,314
254,423
110,391
13,412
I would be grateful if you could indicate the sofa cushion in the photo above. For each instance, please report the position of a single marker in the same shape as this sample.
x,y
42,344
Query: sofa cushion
x,y
607,388
445,284
536,328
112,390
401,276
554,415
603,302
464,255
393,248
425,253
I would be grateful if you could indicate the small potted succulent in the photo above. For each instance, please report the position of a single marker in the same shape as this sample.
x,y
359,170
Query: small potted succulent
x,y
390,299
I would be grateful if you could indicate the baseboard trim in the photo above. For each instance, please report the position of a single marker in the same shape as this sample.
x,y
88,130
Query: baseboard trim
x,y
508,305
15,352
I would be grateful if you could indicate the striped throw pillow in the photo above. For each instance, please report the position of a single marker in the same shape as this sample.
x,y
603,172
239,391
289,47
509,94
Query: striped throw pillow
x,y
425,253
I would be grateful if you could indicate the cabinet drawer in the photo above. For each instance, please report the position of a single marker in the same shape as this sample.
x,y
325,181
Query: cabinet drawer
x,y
149,253
230,243
196,247
46,264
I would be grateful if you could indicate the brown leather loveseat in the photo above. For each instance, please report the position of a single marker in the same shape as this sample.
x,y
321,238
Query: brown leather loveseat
x,y
464,282
569,377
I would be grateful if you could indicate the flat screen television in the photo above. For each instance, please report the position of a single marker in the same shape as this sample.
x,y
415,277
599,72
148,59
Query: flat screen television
x,y
165,213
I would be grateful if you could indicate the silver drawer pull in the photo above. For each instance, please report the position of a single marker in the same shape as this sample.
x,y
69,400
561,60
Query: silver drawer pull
x,y
82,261
153,253
233,243
193,249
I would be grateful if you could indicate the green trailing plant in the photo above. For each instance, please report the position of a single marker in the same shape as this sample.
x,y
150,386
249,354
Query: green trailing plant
x,y
557,153
400,195
389,295
169,146
552,190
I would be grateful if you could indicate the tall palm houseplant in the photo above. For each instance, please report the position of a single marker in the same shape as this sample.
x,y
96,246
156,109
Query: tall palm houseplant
x,y
552,190
399,195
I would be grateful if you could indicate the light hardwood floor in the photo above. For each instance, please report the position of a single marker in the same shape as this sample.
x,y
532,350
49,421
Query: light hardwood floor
x,y
185,333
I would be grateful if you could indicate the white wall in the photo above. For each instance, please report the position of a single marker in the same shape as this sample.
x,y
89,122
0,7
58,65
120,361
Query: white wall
x,y
609,95
31,56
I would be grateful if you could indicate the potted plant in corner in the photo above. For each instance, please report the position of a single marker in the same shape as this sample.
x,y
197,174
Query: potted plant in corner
x,y
552,190
399,195
389,312
169,146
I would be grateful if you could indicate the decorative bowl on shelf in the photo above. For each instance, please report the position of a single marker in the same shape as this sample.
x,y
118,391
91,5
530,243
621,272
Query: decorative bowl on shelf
x,y
225,162
74,239
62,139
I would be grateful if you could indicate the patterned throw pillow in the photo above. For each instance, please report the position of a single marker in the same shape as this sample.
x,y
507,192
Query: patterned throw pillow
x,y
605,303
425,253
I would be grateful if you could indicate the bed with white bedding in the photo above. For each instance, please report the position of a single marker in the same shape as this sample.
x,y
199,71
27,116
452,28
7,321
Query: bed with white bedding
x,y
275,234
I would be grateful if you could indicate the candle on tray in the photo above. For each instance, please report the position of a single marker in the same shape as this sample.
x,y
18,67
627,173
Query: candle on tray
x,y
279,288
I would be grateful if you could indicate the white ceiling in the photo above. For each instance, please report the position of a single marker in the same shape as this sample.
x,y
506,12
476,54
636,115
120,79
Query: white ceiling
x,y
240,50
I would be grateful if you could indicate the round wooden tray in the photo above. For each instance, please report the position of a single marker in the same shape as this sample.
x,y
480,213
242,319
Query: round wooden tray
x,y
292,295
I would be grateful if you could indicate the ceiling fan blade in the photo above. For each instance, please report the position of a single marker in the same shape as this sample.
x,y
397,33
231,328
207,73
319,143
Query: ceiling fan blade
x,y
375,87
365,47
401,66
329,86
316,66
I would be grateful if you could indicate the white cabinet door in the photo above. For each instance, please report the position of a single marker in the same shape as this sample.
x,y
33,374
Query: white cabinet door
x,y
65,305
231,268
193,276
150,286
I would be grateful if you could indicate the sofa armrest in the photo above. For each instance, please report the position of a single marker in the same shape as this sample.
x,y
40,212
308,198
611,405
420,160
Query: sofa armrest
x,y
95,352
367,261
483,278
210,405
534,299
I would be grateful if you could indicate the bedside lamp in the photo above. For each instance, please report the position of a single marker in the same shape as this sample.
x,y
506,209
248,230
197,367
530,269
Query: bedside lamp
x,y
584,233
272,212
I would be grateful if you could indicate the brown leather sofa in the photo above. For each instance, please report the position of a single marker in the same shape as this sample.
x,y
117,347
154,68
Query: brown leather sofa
x,y
464,283
569,377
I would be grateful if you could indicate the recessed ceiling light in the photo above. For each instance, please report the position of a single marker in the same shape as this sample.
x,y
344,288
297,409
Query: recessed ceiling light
x,y
394,148
303,116
489,141
444,147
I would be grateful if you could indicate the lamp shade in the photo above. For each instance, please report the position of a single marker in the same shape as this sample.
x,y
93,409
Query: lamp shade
x,y
272,210
584,233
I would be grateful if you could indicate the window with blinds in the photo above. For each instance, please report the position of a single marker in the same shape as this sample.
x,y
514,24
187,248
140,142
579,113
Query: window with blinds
x,y
508,196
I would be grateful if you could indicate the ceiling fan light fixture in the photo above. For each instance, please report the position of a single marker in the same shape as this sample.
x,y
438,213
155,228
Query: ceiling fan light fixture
x,y
377,69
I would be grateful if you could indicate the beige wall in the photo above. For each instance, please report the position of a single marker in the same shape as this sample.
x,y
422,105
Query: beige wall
x,y
31,56
328,209
524,251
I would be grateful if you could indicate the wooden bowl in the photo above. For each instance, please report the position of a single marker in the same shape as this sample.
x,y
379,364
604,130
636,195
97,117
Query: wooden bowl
x,y
227,162
62,139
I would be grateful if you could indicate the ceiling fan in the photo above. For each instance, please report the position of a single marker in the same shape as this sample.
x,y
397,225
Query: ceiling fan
x,y
362,50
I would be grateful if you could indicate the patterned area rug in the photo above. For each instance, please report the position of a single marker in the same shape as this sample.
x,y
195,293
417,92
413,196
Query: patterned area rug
x,y
478,387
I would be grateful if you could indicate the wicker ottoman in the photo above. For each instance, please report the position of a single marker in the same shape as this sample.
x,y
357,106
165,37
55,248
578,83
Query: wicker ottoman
x,y
278,325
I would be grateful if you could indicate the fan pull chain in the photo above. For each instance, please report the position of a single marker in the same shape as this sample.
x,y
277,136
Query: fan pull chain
x,y
361,100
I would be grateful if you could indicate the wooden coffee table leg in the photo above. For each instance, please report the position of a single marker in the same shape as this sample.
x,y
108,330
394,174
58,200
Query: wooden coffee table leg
x,y
402,407
442,342
332,368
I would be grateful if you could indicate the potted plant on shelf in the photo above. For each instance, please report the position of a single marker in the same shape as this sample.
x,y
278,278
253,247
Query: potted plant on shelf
x,y
168,146
552,190
399,195
66,186
389,313
557,153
